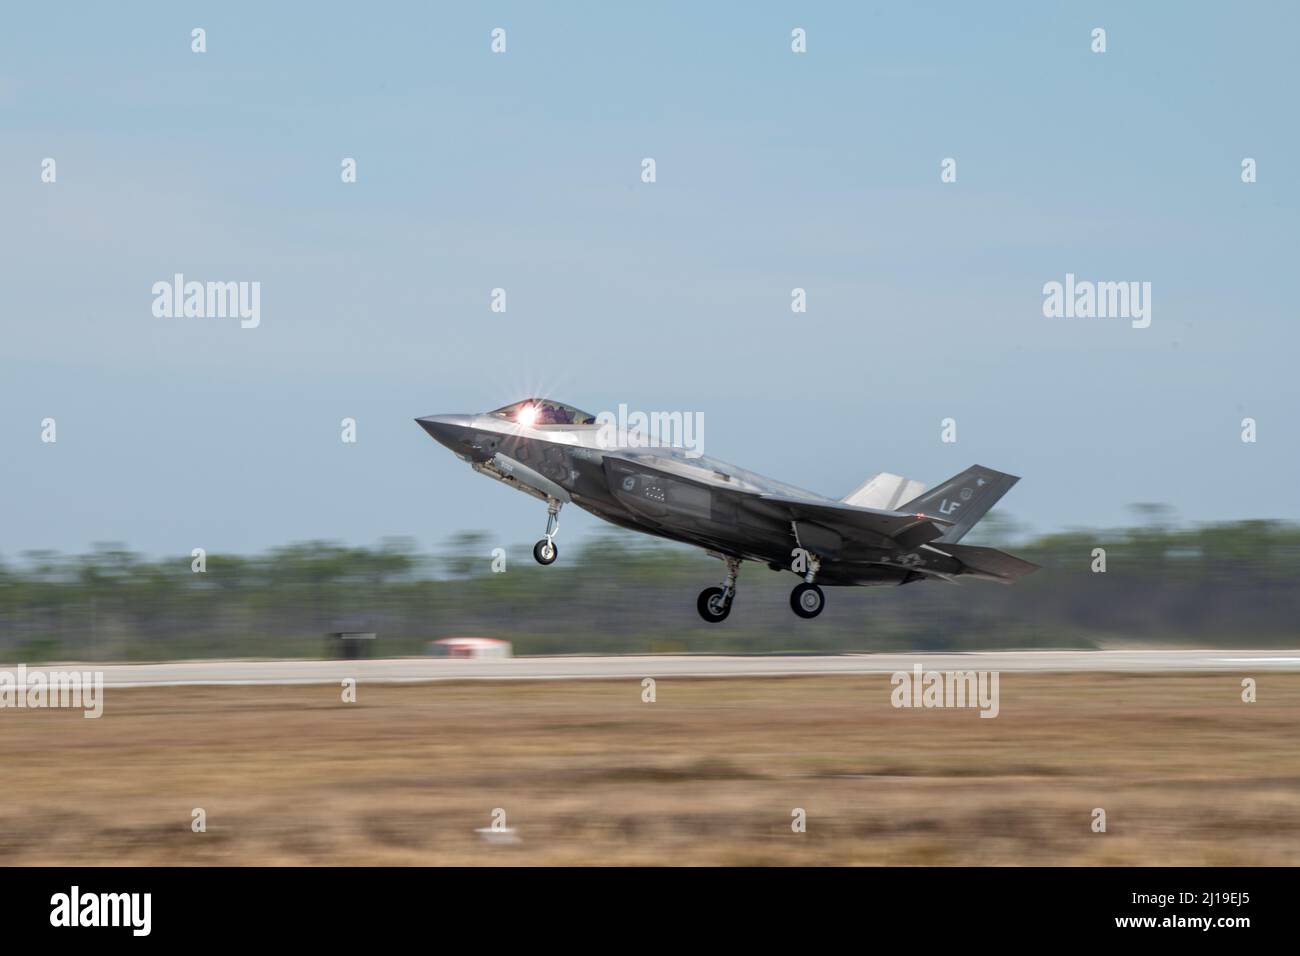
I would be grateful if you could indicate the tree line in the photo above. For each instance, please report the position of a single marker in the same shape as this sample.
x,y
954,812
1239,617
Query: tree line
x,y
1227,584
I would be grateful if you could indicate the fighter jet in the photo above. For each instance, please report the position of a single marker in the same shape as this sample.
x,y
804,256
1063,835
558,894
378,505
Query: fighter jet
x,y
889,531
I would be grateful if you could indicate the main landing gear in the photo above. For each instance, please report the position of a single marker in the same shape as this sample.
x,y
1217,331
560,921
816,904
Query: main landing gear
x,y
546,551
714,604
807,599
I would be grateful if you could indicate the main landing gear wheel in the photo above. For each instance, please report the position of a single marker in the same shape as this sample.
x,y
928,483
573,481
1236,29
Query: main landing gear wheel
x,y
807,600
545,551
713,605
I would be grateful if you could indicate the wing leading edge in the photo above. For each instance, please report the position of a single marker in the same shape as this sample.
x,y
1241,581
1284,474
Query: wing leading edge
x,y
873,526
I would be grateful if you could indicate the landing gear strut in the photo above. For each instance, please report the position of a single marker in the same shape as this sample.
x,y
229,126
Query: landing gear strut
x,y
807,599
714,604
546,551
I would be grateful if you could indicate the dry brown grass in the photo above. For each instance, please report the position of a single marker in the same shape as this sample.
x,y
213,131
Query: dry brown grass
x,y
1187,773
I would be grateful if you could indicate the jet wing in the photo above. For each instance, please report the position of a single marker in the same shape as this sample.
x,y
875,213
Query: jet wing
x,y
687,490
906,530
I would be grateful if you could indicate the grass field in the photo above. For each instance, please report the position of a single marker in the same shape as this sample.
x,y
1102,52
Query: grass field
x,y
708,774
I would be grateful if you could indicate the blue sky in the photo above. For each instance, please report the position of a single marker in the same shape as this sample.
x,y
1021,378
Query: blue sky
x,y
521,171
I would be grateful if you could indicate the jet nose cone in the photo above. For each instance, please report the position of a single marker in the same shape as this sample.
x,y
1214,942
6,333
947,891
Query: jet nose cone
x,y
450,430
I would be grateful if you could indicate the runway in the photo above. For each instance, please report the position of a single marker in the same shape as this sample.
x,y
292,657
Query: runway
x,y
426,669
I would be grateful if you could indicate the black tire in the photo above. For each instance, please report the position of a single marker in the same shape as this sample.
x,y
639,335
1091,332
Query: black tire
x,y
807,600
707,604
545,552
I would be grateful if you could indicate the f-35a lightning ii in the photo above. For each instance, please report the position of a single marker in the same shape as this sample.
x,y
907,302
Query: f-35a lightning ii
x,y
889,531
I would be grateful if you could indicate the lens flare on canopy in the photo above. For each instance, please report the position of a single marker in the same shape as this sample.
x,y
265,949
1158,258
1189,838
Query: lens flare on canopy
x,y
527,415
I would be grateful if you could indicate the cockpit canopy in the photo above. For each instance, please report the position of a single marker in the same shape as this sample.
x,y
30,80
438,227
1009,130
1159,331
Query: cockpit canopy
x,y
543,411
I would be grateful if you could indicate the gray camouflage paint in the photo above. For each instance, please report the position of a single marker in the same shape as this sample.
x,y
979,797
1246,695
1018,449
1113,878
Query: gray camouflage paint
x,y
736,513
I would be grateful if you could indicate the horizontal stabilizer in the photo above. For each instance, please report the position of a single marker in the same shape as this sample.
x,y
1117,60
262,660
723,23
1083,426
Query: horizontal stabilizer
x,y
989,563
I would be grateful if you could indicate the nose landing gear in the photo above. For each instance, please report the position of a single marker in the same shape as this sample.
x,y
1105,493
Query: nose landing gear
x,y
546,551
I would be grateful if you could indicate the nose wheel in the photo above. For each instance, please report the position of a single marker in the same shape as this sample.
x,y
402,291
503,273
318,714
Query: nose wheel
x,y
714,604
807,600
546,551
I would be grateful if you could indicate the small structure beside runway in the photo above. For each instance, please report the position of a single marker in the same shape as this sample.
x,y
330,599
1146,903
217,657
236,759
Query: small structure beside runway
x,y
471,647
351,645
